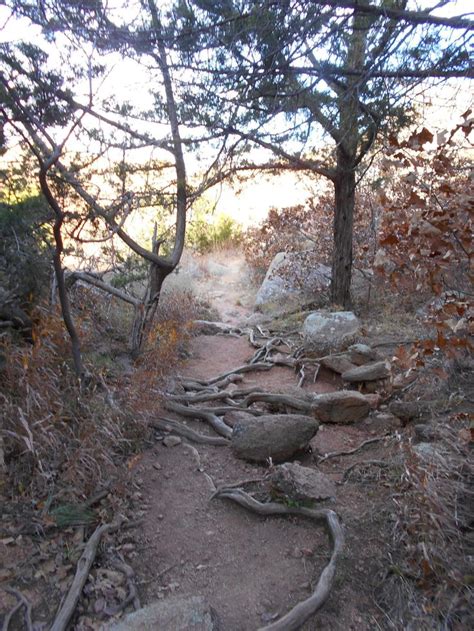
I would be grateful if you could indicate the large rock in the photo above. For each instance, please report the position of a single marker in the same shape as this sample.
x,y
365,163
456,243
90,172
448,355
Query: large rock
x,y
176,613
302,484
360,354
337,363
325,331
291,283
276,436
344,406
367,372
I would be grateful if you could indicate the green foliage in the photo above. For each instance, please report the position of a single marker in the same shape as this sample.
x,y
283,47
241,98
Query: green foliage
x,y
208,231
24,253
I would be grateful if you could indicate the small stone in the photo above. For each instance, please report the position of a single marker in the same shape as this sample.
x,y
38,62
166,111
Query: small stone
x,y
172,441
157,466
99,605
425,433
128,547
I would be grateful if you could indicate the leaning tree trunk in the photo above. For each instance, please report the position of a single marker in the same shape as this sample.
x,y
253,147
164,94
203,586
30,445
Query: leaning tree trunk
x,y
145,312
344,197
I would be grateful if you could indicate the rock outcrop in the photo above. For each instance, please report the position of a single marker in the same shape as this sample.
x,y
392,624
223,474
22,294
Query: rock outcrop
x,y
291,284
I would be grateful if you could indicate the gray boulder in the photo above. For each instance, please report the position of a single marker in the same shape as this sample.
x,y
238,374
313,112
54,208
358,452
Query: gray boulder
x,y
301,483
367,372
344,406
291,283
177,613
276,436
325,331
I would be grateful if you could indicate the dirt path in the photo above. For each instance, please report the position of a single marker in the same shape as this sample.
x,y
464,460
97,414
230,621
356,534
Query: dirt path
x,y
253,569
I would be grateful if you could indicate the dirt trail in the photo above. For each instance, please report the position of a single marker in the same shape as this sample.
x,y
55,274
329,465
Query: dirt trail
x,y
253,569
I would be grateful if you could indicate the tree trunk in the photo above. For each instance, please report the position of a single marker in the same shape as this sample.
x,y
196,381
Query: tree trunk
x,y
145,312
344,198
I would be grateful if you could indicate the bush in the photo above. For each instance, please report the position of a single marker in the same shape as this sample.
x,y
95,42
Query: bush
x,y
208,231
25,256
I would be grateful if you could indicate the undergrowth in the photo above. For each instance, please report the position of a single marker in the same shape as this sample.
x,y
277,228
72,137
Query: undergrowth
x,y
428,583
59,435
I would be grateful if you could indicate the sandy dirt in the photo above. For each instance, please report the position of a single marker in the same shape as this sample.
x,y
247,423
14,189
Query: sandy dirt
x,y
253,569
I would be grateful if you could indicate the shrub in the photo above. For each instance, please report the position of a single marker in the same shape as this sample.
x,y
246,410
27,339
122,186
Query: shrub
x,y
208,231
25,256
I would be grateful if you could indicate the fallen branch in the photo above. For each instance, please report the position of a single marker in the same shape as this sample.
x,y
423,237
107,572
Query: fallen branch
x,y
297,616
174,427
84,565
336,454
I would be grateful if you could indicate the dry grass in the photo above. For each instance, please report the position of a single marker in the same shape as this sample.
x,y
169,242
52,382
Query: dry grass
x,y
429,581
57,436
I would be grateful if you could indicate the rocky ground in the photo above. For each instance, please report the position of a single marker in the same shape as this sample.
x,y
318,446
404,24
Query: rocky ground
x,y
252,569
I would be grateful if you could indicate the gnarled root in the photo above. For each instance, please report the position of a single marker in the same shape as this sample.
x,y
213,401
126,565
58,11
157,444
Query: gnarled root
x,y
295,618
169,425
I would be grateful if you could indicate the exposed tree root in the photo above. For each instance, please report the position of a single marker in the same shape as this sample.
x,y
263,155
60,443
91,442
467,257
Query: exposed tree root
x,y
236,371
336,454
211,396
278,399
22,601
132,597
169,425
198,386
210,417
295,618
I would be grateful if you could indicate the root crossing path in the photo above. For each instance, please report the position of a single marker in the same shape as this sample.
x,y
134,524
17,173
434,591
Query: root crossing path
x,y
211,528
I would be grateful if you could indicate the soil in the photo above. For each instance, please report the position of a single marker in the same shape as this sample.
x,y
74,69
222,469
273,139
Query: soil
x,y
253,569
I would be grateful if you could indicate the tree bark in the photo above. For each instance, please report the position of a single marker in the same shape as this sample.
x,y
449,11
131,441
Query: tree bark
x,y
344,198
59,272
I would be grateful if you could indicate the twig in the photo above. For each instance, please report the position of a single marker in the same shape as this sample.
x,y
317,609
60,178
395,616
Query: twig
x,y
316,372
336,454
302,376
297,616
